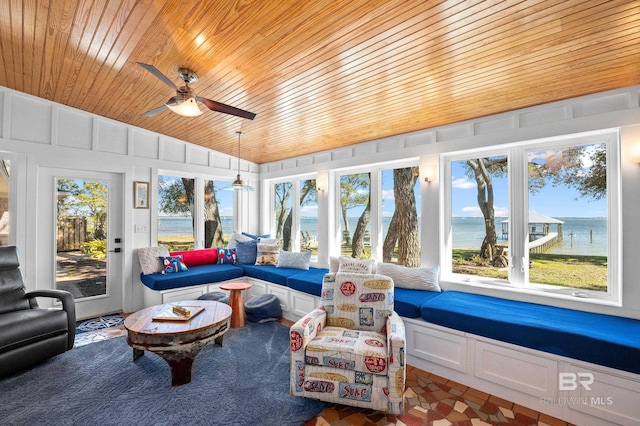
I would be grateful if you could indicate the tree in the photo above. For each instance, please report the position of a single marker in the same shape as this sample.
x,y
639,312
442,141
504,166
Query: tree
x,y
354,192
87,200
308,193
213,235
581,167
403,228
281,194
176,197
482,169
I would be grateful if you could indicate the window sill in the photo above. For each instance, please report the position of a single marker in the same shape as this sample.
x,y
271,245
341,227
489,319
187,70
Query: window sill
x,y
507,291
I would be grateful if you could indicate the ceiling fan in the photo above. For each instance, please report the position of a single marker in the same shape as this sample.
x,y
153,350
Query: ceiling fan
x,y
185,102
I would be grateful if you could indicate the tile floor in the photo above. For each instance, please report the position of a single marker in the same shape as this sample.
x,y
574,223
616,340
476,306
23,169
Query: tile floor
x,y
430,400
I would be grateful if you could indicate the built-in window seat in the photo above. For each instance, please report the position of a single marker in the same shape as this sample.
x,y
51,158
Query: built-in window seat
x,y
578,366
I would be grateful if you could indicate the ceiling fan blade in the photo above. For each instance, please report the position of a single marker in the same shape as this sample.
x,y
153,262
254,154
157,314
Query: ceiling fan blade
x,y
160,108
227,109
155,71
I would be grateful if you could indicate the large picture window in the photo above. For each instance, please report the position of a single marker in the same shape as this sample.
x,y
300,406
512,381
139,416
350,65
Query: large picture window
x,y
541,216
355,215
400,221
188,209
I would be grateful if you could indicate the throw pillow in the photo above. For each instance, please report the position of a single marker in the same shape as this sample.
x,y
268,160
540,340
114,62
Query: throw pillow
x,y
358,266
173,264
268,254
149,258
226,256
268,240
256,237
334,264
287,259
246,252
425,278
235,237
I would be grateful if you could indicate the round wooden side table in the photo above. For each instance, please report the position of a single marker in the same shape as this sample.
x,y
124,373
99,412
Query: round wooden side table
x,y
235,301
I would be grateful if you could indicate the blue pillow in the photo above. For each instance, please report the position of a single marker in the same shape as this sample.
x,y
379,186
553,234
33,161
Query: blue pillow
x,y
255,237
246,252
171,264
297,260
226,256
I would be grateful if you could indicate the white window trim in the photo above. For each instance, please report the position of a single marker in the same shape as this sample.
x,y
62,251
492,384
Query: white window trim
x,y
518,202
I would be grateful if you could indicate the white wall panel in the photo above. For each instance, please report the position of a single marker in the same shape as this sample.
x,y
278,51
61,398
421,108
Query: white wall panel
x,y
172,150
75,129
601,105
111,137
30,119
544,116
145,144
197,155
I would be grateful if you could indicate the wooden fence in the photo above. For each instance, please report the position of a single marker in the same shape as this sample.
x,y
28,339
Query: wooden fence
x,y
72,232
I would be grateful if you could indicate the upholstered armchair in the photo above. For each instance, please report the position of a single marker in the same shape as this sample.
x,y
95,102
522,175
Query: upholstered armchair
x,y
30,334
350,349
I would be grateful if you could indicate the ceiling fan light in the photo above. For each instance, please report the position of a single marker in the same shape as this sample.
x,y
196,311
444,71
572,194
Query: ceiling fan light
x,y
188,108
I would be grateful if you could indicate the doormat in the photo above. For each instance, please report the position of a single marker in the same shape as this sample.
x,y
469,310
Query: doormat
x,y
104,321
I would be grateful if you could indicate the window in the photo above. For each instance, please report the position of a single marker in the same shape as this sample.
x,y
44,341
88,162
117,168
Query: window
x,y
540,216
218,213
176,197
309,217
400,222
283,214
183,215
355,215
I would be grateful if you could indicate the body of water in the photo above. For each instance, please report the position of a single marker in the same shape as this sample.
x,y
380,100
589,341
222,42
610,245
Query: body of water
x,y
582,236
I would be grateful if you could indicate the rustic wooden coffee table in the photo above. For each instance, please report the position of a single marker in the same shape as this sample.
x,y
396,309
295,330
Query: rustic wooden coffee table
x,y
177,341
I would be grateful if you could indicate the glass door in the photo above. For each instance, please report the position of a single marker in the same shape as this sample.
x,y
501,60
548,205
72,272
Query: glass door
x,y
87,239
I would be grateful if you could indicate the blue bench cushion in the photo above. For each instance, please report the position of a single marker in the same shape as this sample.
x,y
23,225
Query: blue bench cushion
x,y
196,275
270,273
407,302
309,282
600,339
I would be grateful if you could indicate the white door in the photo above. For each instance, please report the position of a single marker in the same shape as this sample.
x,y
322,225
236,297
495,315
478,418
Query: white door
x,y
86,235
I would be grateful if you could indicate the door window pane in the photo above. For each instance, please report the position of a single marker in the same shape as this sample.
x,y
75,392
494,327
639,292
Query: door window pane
x,y
81,239
400,224
355,215
568,217
176,212
479,216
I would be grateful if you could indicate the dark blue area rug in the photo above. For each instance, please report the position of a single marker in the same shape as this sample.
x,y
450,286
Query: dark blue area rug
x,y
244,382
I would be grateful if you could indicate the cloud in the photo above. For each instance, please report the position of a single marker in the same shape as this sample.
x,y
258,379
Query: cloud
x,y
309,210
387,194
474,211
462,183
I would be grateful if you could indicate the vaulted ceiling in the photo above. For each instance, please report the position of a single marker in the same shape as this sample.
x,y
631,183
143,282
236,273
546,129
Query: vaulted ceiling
x,y
319,74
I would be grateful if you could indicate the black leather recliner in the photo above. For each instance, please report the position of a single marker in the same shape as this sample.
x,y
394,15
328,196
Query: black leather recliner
x,y
30,334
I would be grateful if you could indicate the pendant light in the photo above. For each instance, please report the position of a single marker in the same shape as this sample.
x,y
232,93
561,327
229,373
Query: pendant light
x,y
238,184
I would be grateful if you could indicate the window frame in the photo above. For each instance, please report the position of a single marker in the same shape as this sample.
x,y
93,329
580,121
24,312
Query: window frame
x,y
518,200
198,202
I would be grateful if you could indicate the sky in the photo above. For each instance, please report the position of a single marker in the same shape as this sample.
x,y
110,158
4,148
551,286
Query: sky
x,y
550,201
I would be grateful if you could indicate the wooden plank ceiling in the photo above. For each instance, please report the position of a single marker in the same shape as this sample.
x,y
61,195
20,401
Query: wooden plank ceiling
x,y
319,74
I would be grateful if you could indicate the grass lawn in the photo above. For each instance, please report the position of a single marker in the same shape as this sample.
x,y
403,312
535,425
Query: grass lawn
x,y
583,272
